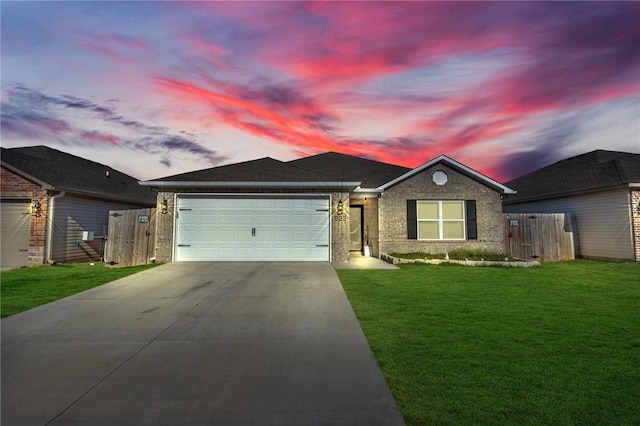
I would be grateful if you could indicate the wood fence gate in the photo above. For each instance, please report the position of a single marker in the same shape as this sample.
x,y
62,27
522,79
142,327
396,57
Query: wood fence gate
x,y
131,237
540,236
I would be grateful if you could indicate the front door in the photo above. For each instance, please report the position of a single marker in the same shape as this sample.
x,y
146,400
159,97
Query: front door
x,y
355,221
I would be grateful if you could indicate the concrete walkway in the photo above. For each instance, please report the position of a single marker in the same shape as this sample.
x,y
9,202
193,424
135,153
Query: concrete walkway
x,y
358,261
196,344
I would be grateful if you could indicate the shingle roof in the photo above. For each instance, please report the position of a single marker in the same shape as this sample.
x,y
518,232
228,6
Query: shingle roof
x,y
261,170
342,167
587,172
67,172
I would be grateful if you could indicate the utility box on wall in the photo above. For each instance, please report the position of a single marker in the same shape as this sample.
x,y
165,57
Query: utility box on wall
x,y
87,235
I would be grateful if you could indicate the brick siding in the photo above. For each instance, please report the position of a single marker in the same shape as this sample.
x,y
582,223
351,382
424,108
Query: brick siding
x,y
14,186
393,212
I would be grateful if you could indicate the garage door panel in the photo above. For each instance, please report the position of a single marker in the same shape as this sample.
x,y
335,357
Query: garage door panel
x,y
14,238
240,228
263,219
229,218
226,235
281,236
281,219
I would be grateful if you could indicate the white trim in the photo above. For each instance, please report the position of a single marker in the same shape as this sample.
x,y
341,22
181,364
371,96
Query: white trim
x,y
368,190
246,184
454,164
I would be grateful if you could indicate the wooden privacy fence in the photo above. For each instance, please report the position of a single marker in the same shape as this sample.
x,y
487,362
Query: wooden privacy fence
x,y
130,237
541,236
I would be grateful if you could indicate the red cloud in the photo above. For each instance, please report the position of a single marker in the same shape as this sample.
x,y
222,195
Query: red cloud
x,y
96,136
551,56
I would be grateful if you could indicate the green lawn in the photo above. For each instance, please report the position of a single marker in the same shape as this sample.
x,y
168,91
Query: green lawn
x,y
555,345
26,288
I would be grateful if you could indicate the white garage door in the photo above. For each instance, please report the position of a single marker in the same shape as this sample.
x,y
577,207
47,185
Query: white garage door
x,y
16,219
259,228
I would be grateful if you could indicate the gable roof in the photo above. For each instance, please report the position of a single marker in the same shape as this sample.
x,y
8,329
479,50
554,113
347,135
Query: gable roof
x,y
262,172
591,171
459,167
330,169
342,167
57,170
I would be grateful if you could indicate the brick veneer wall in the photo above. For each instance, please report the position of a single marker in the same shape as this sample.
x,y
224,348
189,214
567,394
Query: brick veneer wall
x,y
14,186
393,212
165,222
635,206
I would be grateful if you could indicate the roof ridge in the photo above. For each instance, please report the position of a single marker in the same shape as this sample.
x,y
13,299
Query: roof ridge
x,y
357,157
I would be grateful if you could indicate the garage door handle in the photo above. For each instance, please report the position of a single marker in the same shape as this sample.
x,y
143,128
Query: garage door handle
x,y
253,232
184,245
23,250
322,245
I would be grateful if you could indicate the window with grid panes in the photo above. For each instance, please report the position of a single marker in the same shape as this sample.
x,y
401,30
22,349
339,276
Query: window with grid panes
x,y
441,220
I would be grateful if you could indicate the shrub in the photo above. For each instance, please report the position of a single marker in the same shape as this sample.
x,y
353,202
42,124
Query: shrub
x,y
456,254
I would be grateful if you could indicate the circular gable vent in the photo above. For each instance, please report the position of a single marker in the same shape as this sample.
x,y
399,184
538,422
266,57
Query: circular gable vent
x,y
439,177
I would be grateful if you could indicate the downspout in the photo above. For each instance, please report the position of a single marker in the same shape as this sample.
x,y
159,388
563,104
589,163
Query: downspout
x,y
51,215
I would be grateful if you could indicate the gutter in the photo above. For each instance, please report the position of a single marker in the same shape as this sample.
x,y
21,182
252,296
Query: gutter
x,y
246,184
50,216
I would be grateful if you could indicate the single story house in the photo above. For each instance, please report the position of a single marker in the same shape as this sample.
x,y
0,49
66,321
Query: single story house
x,y
601,189
55,206
323,207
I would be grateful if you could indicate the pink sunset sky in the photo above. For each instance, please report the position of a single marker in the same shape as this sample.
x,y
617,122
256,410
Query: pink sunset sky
x,y
159,88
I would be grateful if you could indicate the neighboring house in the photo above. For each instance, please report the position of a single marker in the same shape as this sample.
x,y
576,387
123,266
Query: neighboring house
x,y
323,207
600,188
49,198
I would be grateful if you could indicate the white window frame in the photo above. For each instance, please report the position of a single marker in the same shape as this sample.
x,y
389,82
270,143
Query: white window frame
x,y
441,220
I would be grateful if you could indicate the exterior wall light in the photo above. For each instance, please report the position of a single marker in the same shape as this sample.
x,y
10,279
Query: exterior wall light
x,y
36,208
340,208
164,206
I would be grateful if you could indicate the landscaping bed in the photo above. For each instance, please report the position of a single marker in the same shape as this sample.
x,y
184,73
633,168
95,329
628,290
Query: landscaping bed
x,y
462,257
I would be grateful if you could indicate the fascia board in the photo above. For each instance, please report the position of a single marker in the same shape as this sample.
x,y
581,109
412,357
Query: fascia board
x,y
248,184
375,191
455,165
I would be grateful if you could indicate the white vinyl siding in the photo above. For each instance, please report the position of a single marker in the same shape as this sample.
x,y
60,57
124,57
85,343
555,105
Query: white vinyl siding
x,y
441,220
603,221
214,228
74,215
16,220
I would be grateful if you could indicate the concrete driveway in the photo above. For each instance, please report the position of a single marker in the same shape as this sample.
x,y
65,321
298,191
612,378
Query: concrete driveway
x,y
196,344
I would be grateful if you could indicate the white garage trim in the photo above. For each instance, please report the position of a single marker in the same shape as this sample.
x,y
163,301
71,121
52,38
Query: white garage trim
x,y
252,227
